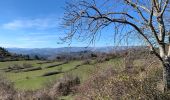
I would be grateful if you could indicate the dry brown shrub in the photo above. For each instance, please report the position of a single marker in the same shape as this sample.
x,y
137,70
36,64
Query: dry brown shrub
x,y
7,90
101,59
64,86
44,94
86,62
120,86
24,95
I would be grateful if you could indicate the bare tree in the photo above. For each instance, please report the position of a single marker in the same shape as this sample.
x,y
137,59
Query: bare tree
x,y
148,19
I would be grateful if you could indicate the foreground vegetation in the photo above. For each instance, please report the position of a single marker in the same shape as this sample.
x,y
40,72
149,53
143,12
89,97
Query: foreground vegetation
x,y
99,79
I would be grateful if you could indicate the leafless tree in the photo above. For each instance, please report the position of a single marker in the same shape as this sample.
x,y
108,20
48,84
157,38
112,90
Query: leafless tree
x,y
148,19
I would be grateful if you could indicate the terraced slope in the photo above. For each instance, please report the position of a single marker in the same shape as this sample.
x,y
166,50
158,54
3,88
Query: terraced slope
x,y
33,80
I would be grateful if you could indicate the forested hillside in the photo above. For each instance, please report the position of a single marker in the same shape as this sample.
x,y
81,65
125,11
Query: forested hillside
x,y
5,55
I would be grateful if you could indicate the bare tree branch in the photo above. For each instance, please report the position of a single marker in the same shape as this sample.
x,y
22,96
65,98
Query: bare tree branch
x,y
164,7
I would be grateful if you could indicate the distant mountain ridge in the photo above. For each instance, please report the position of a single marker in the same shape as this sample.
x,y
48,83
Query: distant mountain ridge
x,y
47,52
55,51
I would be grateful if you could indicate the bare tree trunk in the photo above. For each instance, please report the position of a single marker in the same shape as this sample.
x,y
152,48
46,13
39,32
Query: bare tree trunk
x,y
166,70
166,67
166,74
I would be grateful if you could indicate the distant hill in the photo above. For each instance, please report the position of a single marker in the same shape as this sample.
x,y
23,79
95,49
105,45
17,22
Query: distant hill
x,y
5,55
49,52
54,52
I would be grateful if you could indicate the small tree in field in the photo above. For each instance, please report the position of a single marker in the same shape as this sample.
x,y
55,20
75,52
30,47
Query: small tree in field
x,y
148,19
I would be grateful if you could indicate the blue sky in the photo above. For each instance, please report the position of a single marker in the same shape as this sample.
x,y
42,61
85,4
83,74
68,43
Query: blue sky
x,y
34,24
30,23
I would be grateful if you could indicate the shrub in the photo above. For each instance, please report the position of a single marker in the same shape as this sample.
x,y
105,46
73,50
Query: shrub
x,y
13,68
64,86
25,65
86,62
24,95
112,85
100,60
43,95
7,90
93,55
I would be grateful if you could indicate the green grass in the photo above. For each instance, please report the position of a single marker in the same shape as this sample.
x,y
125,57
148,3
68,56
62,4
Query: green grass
x,y
33,80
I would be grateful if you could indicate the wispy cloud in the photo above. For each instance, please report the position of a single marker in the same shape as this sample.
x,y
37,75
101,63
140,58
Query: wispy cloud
x,y
39,37
38,23
37,44
8,45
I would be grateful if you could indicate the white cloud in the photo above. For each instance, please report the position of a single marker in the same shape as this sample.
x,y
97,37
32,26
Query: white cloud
x,y
8,45
39,23
23,45
39,37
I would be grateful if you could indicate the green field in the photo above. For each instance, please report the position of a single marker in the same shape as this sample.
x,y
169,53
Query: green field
x,y
33,80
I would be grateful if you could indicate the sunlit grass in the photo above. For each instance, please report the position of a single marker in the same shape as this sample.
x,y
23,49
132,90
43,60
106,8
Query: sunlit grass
x,y
33,80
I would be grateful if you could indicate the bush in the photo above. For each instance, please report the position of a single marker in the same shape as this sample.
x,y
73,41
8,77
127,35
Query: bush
x,y
64,86
7,90
14,67
25,65
101,60
111,85
24,95
43,95
86,62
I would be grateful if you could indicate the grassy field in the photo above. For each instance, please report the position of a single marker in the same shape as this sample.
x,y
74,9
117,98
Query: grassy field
x,y
97,78
33,80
